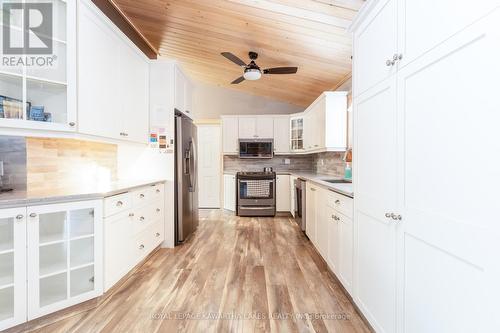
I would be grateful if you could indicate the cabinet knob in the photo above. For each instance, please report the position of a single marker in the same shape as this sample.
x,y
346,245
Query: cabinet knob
x,y
158,191
389,63
33,215
72,124
388,215
131,214
158,210
141,195
141,247
20,217
157,234
119,203
141,218
337,202
396,217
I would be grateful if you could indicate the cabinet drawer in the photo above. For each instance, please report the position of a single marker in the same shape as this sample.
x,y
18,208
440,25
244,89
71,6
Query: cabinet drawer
x,y
142,195
117,204
158,191
341,203
144,216
158,233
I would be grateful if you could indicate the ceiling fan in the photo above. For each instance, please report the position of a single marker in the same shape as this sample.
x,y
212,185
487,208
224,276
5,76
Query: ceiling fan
x,y
252,70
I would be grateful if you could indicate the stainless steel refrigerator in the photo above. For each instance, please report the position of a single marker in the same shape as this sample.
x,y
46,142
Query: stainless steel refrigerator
x,y
186,172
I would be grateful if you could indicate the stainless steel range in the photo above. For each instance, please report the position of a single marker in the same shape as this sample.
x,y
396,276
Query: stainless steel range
x,y
256,193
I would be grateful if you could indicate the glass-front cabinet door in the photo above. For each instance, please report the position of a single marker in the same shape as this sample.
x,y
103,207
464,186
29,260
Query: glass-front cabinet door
x,y
12,267
64,261
37,78
297,133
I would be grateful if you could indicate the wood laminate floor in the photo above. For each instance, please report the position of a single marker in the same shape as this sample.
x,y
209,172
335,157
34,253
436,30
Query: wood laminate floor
x,y
234,275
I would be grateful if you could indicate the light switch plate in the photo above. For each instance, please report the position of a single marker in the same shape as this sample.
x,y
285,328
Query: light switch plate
x,y
1,168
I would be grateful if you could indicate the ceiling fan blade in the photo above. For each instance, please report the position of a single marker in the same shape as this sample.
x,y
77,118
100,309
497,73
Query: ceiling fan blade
x,y
238,80
231,57
281,70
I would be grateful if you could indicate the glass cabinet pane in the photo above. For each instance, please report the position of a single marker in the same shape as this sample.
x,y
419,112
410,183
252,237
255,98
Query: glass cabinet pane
x,y
53,289
53,258
6,269
81,222
48,101
52,227
53,69
82,281
11,97
6,234
6,303
82,252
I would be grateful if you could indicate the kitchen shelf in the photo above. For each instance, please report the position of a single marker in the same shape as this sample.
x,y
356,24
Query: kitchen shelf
x,y
82,280
53,259
6,269
53,289
82,252
6,303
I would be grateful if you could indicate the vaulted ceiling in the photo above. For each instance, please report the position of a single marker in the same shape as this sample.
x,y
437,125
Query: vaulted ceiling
x,y
310,34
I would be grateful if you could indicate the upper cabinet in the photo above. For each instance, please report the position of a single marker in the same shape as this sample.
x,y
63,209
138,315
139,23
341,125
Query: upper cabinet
x,y
281,134
183,95
230,134
376,46
42,95
113,99
259,127
323,126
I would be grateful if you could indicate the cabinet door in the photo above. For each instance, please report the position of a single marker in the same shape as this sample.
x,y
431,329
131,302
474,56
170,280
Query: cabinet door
x,y
311,212
188,96
321,222
333,240
179,90
12,267
308,133
230,135
264,128
375,43
283,193
230,192
450,226
345,261
98,76
376,188
281,135
134,95
247,127
64,255
292,195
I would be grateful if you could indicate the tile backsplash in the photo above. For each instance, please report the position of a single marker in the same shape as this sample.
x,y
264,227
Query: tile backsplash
x,y
13,155
329,163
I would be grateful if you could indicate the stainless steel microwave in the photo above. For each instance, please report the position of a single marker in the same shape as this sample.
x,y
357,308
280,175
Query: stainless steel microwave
x,y
256,148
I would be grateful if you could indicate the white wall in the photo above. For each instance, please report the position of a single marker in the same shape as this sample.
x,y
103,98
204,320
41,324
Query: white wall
x,y
210,102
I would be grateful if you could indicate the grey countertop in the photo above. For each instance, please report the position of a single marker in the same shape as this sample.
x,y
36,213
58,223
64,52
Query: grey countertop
x,y
23,198
317,178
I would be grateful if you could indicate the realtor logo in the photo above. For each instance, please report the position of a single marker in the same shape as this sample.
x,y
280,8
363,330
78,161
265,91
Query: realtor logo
x,y
27,28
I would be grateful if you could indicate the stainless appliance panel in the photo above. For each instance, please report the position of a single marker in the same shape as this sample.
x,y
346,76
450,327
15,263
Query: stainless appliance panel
x,y
300,203
256,148
186,180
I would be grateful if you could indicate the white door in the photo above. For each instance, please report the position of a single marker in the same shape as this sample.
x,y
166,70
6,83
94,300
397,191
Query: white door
x,y
209,166
247,127
64,255
283,193
281,135
376,43
230,192
450,219
12,267
264,128
376,188
230,135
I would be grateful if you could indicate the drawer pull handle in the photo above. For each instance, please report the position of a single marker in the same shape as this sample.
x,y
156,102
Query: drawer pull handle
x,y
33,215
131,214
141,195
141,218
141,247
119,203
158,210
157,234
20,217
158,191
337,202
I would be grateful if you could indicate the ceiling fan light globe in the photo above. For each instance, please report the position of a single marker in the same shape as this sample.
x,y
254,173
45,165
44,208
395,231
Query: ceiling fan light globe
x,y
252,74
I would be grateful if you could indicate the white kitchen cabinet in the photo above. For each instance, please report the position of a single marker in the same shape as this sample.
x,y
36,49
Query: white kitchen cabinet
x,y
112,102
297,133
333,233
292,195
53,89
12,267
321,221
188,97
260,127
230,135
281,135
344,271
230,192
311,212
64,255
282,193
375,45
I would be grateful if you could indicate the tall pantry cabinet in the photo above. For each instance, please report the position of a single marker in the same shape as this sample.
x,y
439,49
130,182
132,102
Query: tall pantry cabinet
x,y
425,117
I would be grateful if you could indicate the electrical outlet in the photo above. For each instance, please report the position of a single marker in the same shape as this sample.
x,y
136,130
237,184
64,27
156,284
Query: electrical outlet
x,y
286,161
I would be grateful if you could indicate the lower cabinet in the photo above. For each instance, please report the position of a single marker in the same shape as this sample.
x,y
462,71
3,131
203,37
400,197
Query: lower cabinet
x,y
293,195
329,227
230,192
133,227
283,193
50,259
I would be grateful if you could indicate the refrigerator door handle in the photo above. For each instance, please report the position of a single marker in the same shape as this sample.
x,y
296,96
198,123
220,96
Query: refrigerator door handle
x,y
193,165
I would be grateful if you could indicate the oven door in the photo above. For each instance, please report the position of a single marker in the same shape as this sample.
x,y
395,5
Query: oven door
x,y
256,148
256,192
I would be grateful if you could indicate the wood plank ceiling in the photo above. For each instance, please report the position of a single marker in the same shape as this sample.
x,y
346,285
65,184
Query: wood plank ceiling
x,y
310,34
